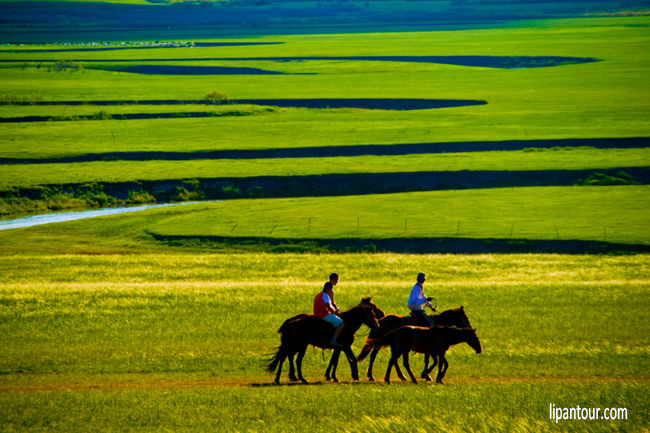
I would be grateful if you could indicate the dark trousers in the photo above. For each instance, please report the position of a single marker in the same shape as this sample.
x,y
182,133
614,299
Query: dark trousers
x,y
422,317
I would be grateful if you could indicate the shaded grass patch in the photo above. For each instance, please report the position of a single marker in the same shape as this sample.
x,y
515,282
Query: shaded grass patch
x,y
351,150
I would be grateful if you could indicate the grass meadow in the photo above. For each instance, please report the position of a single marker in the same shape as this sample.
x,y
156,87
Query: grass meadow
x,y
177,342
108,325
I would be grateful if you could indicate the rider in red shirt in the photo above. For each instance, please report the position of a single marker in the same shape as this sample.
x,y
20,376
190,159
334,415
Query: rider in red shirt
x,y
325,308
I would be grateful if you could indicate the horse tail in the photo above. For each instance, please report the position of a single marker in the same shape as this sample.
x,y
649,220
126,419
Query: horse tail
x,y
275,360
367,348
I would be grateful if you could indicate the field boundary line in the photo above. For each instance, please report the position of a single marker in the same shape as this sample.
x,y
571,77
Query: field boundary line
x,y
86,285
269,383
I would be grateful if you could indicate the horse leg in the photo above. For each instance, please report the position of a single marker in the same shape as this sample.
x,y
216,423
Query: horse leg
x,y
442,368
425,373
281,356
444,371
301,354
352,360
371,363
426,366
405,361
399,372
331,368
393,361
292,370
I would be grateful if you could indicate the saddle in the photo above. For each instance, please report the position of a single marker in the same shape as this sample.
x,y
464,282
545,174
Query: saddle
x,y
415,320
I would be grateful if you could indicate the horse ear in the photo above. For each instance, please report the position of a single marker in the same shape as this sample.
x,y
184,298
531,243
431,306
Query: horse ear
x,y
365,300
462,308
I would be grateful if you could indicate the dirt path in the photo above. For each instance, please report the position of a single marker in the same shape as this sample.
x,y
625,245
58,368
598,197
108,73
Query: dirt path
x,y
246,383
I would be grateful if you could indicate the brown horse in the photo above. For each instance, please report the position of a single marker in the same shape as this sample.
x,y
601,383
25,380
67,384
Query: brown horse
x,y
302,330
330,373
453,317
434,341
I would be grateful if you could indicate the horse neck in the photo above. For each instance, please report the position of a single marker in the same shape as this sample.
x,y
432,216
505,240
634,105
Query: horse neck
x,y
456,336
353,319
447,318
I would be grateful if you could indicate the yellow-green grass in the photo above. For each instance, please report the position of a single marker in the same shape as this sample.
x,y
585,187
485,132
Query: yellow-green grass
x,y
116,171
152,342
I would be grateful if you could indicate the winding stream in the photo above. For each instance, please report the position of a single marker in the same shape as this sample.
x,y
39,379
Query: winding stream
x,y
35,220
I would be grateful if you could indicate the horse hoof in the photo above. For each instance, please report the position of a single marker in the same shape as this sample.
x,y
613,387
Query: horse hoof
x,y
335,380
327,378
304,382
403,379
371,379
439,382
427,378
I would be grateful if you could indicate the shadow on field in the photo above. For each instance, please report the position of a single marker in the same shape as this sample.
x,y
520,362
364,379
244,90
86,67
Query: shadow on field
x,y
314,103
127,116
441,245
354,150
273,384
173,190
500,62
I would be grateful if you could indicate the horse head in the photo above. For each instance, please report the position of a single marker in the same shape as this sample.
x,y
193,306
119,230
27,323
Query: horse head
x,y
369,316
472,340
378,312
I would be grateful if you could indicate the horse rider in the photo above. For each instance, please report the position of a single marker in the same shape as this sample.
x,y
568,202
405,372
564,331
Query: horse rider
x,y
417,301
325,308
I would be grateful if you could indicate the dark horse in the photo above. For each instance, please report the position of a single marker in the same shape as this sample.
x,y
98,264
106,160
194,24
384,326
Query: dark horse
x,y
434,341
330,373
304,329
454,317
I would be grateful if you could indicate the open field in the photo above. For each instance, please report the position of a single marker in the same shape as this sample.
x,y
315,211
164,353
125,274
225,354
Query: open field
x,y
562,216
120,171
162,320
602,99
106,335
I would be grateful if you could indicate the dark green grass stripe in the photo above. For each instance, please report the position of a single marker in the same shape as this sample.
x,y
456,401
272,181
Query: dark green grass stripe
x,y
346,184
501,62
354,150
321,103
419,245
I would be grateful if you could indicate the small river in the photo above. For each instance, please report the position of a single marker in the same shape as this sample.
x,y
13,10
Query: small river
x,y
35,220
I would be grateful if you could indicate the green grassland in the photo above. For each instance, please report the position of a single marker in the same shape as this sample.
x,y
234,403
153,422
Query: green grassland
x,y
577,100
147,322
597,213
88,339
558,159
